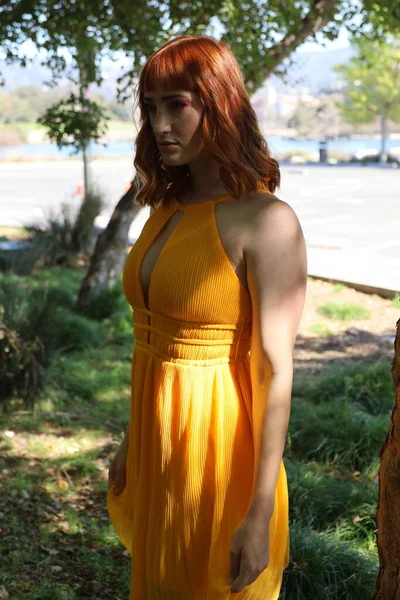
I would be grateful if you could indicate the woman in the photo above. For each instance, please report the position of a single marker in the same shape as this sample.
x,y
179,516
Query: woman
x,y
216,280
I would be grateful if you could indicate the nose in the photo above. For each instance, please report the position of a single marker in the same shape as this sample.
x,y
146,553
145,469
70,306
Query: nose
x,y
161,122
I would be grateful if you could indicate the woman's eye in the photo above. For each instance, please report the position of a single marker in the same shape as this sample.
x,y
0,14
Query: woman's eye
x,y
175,105
178,104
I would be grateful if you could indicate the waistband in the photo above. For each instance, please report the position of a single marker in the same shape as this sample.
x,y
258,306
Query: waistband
x,y
188,342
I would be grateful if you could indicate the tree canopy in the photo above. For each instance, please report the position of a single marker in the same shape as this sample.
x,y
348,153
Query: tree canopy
x,y
262,35
372,81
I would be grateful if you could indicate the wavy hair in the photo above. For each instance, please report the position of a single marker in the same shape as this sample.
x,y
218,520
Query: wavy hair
x,y
230,130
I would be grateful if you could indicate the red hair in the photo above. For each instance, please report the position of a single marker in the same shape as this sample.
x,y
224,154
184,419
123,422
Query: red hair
x,y
230,128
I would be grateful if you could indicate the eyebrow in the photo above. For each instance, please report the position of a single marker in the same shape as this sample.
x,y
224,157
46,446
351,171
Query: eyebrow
x,y
147,99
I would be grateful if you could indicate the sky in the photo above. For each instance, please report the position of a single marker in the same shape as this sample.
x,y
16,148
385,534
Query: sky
x,y
341,42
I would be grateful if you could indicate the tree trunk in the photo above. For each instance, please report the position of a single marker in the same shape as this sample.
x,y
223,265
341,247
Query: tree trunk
x,y
383,154
109,254
387,584
86,168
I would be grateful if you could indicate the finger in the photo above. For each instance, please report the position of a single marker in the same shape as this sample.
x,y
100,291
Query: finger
x,y
234,566
120,484
111,477
243,579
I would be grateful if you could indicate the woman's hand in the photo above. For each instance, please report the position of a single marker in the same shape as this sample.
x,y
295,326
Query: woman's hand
x,y
117,470
249,554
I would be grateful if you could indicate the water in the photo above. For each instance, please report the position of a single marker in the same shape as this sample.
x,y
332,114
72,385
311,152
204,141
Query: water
x,y
126,149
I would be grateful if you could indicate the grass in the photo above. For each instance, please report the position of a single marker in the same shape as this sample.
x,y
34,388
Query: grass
x,y
338,287
343,311
56,540
321,329
13,233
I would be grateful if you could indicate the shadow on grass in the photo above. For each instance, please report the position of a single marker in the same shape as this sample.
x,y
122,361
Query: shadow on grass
x,y
88,390
56,538
312,354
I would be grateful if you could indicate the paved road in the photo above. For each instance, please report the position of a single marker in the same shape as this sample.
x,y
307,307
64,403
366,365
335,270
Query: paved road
x,y
350,215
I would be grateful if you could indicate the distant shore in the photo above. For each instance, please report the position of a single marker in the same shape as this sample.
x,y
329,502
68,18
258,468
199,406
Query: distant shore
x,y
283,143
17,134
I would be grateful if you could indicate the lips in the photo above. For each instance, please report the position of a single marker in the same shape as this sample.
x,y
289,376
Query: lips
x,y
167,147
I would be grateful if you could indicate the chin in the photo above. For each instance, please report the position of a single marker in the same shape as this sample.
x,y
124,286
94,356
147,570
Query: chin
x,y
174,162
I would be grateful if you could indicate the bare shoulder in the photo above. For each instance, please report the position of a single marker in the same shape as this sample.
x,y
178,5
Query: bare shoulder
x,y
266,216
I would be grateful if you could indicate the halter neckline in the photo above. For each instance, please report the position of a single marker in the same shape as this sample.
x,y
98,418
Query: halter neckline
x,y
205,203
261,187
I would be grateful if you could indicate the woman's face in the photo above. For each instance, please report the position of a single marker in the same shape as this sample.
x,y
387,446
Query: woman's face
x,y
175,117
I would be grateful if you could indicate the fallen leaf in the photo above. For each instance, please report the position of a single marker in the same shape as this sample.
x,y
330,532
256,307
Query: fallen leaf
x,y
56,568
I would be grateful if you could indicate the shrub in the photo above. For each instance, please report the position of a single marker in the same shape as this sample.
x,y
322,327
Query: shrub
x,y
76,332
104,304
51,244
35,326
61,296
120,327
27,320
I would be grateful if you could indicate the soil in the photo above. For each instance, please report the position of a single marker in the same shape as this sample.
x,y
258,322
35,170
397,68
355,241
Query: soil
x,y
371,338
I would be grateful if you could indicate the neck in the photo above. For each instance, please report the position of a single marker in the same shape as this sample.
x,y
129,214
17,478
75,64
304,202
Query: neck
x,y
205,177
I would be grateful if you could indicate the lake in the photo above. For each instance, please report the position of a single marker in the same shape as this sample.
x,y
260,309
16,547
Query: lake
x,y
124,149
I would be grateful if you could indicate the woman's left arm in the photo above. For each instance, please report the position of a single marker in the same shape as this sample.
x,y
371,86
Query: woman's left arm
x,y
276,258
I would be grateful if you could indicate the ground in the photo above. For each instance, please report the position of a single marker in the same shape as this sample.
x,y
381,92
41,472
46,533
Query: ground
x,y
56,541
353,339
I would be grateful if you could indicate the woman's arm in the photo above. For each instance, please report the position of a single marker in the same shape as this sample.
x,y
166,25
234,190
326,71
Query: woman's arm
x,y
276,260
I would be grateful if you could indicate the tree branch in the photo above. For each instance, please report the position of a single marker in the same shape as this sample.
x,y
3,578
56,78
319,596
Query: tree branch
x,y
318,17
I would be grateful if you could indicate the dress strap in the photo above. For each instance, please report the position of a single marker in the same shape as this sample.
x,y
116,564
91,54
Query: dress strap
x,y
209,203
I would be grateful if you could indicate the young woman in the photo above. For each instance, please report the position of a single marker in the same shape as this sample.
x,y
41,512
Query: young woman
x,y
217,280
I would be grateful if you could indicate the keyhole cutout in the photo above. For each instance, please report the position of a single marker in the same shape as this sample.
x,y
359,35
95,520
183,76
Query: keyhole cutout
x,y
154,252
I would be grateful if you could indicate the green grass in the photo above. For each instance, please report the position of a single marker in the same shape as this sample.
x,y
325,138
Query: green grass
x,y
322,497
323,566
58,543
321,329
342,311
367,385
396,301
338,287
336,433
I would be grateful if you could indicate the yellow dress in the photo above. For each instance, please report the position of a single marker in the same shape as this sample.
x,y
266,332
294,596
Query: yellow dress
x,y
194,428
